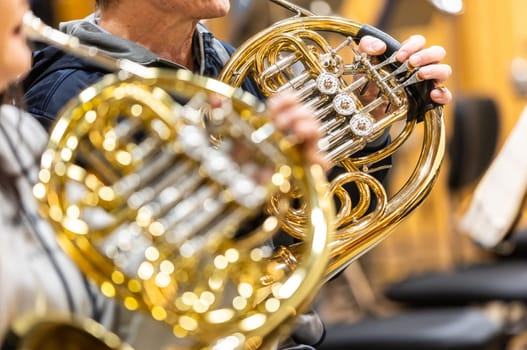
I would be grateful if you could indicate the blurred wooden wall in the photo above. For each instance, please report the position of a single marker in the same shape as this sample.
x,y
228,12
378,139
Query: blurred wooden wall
x,y
490,34
66,10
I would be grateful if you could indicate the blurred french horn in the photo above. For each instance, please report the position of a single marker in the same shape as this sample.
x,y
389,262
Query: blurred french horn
x,y
53,332
318,57
171,224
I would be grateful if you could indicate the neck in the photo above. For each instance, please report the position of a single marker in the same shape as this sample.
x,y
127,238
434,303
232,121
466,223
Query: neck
x,y
166,34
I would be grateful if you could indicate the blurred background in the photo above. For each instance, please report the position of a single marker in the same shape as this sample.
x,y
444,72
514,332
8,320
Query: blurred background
x,y
486,43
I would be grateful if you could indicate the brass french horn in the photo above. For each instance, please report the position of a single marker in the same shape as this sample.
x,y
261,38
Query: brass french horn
x,y
318,57
171,224
53,332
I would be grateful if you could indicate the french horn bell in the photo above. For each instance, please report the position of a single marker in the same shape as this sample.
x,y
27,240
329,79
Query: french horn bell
x,y
170,223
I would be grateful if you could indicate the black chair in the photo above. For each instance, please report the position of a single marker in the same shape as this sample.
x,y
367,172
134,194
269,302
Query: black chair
x,y
452,329
504,281
381,327
473,142
471,148
500,280
514,246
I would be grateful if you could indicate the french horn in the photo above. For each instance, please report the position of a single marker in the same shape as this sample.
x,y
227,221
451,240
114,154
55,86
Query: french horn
x,y
171,224
53,332
318,58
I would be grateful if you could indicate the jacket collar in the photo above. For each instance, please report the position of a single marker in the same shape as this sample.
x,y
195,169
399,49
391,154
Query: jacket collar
x,y
209,53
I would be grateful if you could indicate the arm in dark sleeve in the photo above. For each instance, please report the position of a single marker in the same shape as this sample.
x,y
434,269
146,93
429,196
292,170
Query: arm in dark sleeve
x,y
46,98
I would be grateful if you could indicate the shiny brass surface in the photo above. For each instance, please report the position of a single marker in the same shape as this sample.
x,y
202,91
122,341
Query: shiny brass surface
x,y
173,224
54,332
318,57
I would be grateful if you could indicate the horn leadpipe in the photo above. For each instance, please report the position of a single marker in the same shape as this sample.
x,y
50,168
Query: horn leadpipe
x,y
300,11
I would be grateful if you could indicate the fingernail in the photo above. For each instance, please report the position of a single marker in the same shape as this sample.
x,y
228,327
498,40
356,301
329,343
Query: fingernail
x,y
435,94
415,60
377,45
402,55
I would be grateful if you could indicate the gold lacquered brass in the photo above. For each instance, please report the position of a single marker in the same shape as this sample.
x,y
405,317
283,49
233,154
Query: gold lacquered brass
x,y
172,224
318,58
54,332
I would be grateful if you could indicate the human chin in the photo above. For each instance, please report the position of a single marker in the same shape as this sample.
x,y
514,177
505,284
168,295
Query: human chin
x,y
226,6
219,8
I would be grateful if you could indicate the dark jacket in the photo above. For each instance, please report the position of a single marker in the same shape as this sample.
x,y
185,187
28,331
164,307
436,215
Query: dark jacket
x,y
57,77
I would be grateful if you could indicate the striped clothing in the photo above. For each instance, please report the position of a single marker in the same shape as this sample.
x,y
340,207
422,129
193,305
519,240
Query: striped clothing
x,y
35,274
